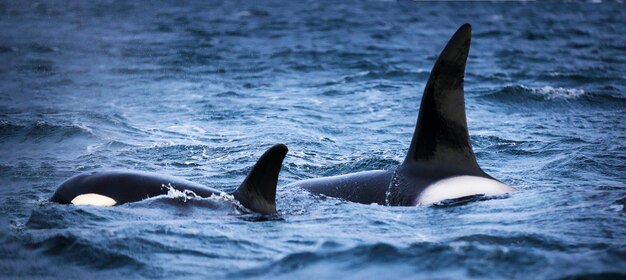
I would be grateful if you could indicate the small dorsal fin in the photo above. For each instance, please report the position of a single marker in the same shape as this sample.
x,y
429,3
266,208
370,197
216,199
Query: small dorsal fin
x,y
441,135
258,191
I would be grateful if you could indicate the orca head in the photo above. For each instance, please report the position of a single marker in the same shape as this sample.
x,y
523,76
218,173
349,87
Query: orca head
x,y
71,192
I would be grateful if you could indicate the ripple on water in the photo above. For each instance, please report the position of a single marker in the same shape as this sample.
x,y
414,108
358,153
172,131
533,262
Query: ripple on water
x,y
527,98
201,90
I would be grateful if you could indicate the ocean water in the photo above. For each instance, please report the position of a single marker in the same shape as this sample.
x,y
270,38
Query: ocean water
x,y
200,89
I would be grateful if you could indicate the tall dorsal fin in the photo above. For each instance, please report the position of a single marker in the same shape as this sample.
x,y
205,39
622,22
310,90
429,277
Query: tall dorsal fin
x,y
441,135
258,191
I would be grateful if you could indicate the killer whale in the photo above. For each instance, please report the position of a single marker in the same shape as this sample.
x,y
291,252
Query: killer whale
x,y
440,164
114,187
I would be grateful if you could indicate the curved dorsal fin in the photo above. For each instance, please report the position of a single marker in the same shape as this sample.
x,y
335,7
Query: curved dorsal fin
x,y
441,134
258,191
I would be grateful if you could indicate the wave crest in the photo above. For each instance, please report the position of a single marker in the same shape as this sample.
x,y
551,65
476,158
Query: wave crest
x,y
548,95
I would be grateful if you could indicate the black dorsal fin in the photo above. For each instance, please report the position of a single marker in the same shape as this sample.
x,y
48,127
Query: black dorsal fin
x,y
441,135
258,191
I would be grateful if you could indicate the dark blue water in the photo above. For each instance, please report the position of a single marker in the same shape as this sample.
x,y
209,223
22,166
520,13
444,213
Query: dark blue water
x,y
201,89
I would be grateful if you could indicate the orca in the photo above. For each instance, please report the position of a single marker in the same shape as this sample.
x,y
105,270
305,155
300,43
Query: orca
x,y
440,164
114,187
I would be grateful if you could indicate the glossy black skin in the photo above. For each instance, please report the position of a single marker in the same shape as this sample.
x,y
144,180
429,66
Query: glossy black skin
x,y
381,186
257,192
363,187
125,186
440,147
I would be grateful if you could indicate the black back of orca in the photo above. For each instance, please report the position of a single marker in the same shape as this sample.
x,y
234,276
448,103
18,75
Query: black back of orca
x,y
257,192
440,147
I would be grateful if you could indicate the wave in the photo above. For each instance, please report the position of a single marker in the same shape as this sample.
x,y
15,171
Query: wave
x,y
186,198
477,255
59,127
42,48
316,59
543,93
39,66
603,74
593,276
389,74
43,129
494,33
50,216
83,252
362,164
231,94
551,96
303,168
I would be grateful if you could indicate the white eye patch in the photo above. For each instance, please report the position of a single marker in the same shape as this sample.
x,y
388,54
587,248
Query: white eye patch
x,y
93,199
461,186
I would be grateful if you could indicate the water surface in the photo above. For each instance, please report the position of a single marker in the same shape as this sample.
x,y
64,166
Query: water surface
x,y
200,89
